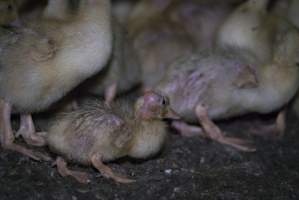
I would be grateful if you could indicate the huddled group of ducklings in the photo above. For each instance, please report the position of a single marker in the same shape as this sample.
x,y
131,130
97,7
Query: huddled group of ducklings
x,y
194,60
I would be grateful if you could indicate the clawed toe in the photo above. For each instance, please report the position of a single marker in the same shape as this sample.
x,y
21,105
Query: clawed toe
x,y
28,152
240,144
214,133
122,179
34,139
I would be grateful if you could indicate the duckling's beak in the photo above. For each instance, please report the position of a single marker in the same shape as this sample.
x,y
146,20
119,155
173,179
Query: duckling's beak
x,y
171,114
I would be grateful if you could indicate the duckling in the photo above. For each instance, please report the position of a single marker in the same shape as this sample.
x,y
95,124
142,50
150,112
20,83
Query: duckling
x,y
175,29
198,89
43,62
123,70
9,12
249,27
97,133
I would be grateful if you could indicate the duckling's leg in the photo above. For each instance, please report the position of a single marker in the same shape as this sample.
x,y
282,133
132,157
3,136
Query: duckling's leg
x,y
110,93
27,130
63,170
7,136
273,131
187,130
214,133
96,160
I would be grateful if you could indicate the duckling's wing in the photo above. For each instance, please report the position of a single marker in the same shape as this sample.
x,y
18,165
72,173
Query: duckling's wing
x,y
125,135
43,48
113,121
119,129
26,42
246,78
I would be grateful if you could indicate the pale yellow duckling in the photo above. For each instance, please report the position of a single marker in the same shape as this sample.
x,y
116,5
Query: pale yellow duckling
x,y
249,27
97,133
40,64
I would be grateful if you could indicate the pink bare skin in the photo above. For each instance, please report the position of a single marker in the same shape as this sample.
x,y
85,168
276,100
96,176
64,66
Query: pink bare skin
x,y
273,131
27,131
7,137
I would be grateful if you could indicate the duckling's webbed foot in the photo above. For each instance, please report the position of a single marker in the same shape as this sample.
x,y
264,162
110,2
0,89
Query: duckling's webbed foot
x,y
27,130
273,131
106,171
187,130
110,93
63,170
7,137
213,132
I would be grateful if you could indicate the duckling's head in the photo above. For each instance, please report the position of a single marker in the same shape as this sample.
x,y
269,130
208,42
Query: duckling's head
x,y
9,12
153,106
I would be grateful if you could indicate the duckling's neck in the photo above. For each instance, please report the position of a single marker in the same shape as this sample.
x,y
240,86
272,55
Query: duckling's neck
x,y
149,137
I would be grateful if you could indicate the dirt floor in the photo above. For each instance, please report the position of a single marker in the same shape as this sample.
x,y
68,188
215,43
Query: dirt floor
x,y
188,168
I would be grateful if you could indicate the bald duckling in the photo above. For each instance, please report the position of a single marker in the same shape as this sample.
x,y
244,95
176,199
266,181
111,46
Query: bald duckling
x,y
123,70
42,63
249,27
97,133
199,91
174,29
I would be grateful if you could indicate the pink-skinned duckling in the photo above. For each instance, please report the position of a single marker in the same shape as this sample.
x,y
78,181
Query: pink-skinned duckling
x,y
224,84
97,133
